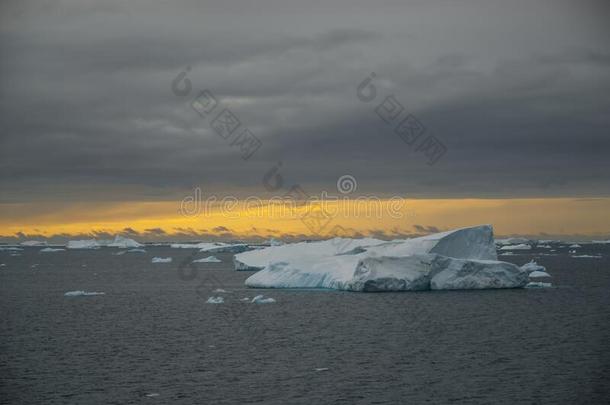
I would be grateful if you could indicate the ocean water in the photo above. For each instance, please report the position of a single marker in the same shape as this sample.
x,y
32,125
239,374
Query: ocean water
x,y
152,338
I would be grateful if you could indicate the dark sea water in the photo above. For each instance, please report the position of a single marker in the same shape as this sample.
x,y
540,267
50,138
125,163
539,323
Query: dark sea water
x,y
152,338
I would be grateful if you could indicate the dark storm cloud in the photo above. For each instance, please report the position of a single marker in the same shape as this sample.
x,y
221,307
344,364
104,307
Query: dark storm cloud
x,y
87,110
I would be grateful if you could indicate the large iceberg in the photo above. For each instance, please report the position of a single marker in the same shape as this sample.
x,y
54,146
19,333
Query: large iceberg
x,y
461,259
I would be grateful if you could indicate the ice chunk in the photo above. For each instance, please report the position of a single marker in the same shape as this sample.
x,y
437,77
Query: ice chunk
x,y
516,247
50,250
538,284
260,299
136,251
574,246
464,258
532,266
220,290
161,260
209,259
79,293
124,243
83,244
215,300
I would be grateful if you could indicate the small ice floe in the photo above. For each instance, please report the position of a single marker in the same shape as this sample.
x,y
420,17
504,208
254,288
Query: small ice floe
x,y
321,369
81,293
571,251
209,259
152,395
119,253
521,246
260,299
535,270
83,244
574,246
2,265
506,254
51,250
245,299
161,260
220,290
215,300
34,265
10,249
544,246
538,284
136,251
587,256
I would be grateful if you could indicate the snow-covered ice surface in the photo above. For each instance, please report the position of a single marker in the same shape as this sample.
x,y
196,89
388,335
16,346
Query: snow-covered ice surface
x,y
460,259
80,293
209,259
161,260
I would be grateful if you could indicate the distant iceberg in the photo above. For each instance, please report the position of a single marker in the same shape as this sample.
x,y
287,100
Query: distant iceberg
x,y
460,259
209,259
136,251
83,244
50,250
161,260
512,241
213,247
587,256
574,246
33,243
124,243
79,293
10,249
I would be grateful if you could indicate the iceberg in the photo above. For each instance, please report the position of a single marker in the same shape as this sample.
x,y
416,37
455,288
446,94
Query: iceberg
x,y
587,256
512,241
33,243
461,259
161,260
79,293
213,247
537,274
209,259
83,244
538,284
50,250
124,243
574,246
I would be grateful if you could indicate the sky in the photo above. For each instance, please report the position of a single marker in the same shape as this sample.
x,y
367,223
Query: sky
x,y
99,134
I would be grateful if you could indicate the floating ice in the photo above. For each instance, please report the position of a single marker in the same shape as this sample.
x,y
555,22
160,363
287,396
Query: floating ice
x,y
544,246
33,243
516,247
209,259
461,259
260,299
10,249
512,241
213,247
538,284
574,246
79,293
50,250
215,300
83,244
587,256
220,290
538,274
161,260
136,251
124,243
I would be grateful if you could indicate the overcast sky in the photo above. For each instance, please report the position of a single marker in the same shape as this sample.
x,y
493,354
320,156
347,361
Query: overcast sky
x,y
517,91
